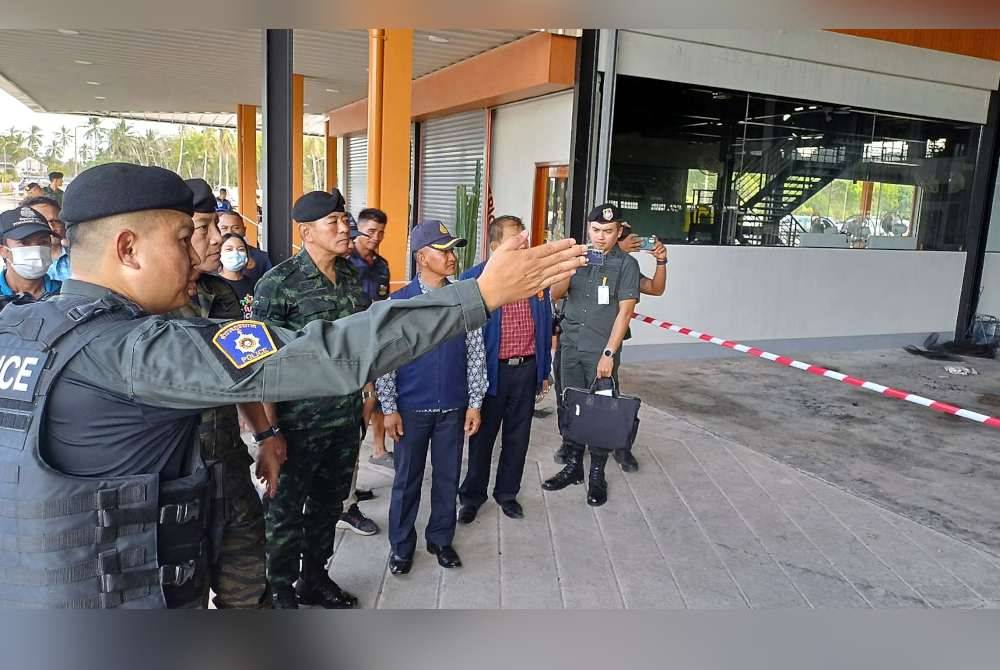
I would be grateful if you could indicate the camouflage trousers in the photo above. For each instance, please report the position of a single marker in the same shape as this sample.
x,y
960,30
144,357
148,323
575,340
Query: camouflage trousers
x,y
313,485
239,576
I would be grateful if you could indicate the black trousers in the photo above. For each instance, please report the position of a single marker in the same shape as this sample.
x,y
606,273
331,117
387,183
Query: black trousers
x,y
509,413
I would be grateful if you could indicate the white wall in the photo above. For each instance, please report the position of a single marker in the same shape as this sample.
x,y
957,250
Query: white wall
x,y
524,134
768,293
989,299
817,65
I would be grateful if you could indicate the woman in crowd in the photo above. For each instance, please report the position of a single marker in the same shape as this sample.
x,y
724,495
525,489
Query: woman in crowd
x,y
235,261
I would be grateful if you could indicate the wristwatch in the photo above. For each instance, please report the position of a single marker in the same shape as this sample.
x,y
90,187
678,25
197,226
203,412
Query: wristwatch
x,y
663,262
367,395
608,353
265,434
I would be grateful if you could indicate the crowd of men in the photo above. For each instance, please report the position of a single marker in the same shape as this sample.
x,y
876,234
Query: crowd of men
x,y
442,378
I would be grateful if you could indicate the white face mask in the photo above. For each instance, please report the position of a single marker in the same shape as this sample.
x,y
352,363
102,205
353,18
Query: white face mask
x,y
234,261
31,262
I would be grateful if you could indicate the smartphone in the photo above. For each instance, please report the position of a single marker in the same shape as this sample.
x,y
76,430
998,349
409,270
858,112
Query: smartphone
x,y
648,243
595,257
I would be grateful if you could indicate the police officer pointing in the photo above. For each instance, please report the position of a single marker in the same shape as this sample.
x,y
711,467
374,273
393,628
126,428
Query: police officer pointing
x,y
104,499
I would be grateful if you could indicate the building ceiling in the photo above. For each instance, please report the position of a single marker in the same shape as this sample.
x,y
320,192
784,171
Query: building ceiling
x,y
140,73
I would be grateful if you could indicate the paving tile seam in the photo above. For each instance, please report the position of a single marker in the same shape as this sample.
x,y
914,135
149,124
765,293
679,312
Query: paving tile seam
x,y
796,524
656,541
987,554
499,562
888,518
860,540
701,528
746,523
801,485
611,561
552,542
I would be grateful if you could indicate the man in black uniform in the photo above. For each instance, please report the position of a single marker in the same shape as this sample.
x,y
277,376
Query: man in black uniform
x,y
104,500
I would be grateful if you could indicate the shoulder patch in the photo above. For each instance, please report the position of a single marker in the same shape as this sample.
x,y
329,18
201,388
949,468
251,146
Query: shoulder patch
x,y
244,343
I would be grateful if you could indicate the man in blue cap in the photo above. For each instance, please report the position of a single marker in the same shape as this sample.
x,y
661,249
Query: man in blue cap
x,y
431,402
25,245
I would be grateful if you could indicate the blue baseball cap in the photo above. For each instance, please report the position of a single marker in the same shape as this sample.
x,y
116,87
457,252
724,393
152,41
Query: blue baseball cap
x,y
433,233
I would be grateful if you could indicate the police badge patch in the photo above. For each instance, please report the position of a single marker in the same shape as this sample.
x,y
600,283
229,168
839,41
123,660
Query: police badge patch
x,y
244,343
608,213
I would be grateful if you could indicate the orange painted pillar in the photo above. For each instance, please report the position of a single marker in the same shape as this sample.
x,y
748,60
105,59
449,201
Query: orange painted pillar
x,y
331,159
394,163
376,81
246,166
298,110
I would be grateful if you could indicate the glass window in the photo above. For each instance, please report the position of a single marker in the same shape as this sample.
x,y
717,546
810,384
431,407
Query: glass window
x,y
711,166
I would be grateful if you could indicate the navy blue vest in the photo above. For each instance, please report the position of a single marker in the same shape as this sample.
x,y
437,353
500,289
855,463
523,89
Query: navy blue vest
x,y
437,379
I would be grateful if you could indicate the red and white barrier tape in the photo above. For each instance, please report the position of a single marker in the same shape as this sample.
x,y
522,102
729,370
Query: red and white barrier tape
x,y
886,391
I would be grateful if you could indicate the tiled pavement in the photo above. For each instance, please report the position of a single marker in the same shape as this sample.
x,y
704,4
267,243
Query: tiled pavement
x,y
705,523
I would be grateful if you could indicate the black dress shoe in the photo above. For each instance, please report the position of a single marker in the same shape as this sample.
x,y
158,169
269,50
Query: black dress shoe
x,y
467,514
447,556
400,565
626,460
325,593
512,508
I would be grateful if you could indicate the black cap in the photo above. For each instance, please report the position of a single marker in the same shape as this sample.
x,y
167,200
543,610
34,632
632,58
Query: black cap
x,y
204,199
314,205
606,213
120,188
22,222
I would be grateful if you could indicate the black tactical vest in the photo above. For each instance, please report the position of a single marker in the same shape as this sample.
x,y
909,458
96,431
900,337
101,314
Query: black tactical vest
x,y
76,542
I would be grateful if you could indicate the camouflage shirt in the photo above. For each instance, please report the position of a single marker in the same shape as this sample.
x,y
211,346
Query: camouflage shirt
x,y
291,295
220,427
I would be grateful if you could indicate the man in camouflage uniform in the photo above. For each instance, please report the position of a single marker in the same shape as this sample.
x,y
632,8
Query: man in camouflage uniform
x,y
323,434
238,577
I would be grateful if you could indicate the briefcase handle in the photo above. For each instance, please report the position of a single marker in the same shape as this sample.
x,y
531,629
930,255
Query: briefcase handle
x,y
614,387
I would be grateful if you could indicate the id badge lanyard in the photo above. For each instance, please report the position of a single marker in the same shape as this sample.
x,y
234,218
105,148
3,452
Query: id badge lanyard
x,y
604,292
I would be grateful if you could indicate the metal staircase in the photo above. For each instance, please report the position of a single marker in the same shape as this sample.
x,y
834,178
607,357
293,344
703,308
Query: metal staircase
x,y
769,186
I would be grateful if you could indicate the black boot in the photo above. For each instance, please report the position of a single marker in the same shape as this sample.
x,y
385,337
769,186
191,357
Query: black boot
x,y
284,598
316,588
572,472
597,488
561,453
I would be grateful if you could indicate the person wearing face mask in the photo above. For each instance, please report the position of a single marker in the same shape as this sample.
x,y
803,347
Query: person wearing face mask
x,y
27,255
51,209
235,262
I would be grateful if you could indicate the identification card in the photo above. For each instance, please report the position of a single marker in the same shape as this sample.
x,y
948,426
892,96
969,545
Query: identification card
x,y
603,295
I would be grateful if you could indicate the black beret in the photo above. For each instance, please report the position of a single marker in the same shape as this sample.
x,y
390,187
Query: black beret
x,y
119,188
606,213
317,204
204,199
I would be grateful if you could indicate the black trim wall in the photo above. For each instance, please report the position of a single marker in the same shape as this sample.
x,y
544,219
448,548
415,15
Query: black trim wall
x,y
277,144
581,144
984,183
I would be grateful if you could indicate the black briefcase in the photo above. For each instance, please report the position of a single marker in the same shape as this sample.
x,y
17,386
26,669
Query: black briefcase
x,y
598,420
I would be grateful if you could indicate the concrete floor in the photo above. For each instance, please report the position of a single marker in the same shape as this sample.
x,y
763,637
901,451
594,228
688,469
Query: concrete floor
x,y
744,513
940,471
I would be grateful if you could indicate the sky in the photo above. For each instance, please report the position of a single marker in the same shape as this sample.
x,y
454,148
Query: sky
x,y
14,113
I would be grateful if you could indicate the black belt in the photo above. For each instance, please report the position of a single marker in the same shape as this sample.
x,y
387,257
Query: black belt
x,y
516,361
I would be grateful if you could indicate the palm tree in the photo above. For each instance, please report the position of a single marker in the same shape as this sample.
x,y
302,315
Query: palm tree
x,y
123,144
151,147
34,140
95,134
62,139
180,154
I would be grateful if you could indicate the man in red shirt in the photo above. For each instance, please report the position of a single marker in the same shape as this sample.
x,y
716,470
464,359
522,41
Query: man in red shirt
x,y
518,341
